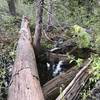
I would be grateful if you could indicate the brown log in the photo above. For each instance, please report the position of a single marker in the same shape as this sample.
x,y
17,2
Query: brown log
x,y
79,85
52,88
76,84
57,57
25,83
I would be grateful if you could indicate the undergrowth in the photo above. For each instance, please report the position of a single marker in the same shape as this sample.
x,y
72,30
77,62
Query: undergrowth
x,y
95,76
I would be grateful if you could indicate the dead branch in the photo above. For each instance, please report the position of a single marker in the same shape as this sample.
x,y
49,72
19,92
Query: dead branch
x,y
71,90
47,37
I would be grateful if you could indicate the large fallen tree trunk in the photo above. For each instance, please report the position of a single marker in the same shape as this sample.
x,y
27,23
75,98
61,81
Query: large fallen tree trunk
x,y
52,88
72,90
25,84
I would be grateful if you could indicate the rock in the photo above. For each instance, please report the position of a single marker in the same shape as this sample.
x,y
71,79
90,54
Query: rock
x,y
95,92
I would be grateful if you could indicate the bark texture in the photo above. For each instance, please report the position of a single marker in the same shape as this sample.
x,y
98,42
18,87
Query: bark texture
x,y
38,27
49,20
52,88
12,8
25,83
72,90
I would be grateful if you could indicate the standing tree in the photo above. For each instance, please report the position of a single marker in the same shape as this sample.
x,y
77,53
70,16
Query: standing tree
x,y
38,27
25,81
49,20
12,8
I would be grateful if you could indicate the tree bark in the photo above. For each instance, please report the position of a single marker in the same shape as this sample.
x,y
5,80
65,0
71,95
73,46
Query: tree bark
x,y
51,88
38,27
49,20
25,83
12,8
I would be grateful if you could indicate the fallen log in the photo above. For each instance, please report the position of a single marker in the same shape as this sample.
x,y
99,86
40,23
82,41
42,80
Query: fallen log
x,y
25,83
76,84
52,57
52,88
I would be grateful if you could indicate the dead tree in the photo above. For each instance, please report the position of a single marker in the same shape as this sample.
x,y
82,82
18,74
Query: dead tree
x,y
51,89
12,8
25,83
38,27
49,19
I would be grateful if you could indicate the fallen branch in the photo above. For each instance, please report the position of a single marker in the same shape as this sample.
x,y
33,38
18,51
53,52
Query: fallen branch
x,y
57,57
47,37
71,90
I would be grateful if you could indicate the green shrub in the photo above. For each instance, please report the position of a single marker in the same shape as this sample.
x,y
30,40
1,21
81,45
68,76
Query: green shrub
x,y
95,66
82,38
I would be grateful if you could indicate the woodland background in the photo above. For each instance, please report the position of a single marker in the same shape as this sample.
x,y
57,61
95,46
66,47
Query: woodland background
x,y
68,19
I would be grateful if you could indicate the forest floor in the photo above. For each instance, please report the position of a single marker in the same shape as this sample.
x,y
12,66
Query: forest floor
x,y
56,56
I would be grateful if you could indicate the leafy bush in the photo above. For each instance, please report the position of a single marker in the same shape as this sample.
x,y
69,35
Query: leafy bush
x,y
10,25
95,68
7,57
82,38
95,76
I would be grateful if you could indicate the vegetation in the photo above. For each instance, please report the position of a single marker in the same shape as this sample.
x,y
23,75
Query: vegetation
x,y
76,19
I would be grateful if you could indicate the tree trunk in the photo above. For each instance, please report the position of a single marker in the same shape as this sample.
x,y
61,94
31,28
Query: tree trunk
x,y
38,27
49,20
12,8
25,83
